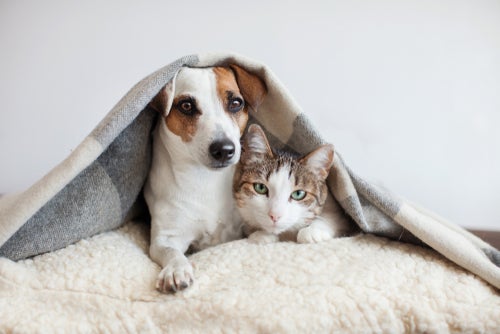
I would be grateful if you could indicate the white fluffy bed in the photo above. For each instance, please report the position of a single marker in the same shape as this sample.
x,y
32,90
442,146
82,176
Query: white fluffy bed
x,y
361,284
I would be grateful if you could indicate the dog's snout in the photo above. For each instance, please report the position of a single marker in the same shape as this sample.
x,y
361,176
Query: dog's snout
x,y
222,150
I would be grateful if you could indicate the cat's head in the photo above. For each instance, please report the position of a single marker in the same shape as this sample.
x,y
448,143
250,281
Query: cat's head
x,y
278,191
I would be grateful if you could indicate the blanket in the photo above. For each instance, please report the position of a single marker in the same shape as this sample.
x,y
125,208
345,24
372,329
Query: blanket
x,y
97,188
360,284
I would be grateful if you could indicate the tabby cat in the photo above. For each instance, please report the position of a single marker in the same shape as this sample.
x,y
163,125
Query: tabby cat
x,y
281,196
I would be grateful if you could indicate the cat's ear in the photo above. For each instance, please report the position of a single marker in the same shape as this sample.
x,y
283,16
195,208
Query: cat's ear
x,y
255,145
320,160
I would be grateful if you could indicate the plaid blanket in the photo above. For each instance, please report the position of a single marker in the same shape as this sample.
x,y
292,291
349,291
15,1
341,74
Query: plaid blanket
x,y
98,186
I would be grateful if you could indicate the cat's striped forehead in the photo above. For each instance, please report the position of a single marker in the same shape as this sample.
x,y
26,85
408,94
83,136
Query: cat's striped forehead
x,y
263,169
282,163
298,174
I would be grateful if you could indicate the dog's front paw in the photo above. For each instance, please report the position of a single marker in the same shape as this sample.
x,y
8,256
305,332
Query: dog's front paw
x,y
313,234
176,276
262,237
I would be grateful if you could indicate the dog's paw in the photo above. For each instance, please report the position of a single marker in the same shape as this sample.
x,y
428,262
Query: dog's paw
x,y
262,237
176,276
313,234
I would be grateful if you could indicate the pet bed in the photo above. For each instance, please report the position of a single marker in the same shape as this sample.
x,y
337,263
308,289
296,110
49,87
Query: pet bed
x,y
76,273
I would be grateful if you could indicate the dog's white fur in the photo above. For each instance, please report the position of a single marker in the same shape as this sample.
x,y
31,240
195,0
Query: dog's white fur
x,y
190,201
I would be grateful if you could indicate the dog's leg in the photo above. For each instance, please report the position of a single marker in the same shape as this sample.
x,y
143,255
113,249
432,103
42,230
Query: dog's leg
x,y
177,271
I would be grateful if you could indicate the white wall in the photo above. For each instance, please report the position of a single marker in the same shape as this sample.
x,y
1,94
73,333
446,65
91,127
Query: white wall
x,y
407,90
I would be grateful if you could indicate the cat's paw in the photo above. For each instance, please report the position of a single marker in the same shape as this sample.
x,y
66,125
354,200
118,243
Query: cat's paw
x,y
262,237
176,276
313,234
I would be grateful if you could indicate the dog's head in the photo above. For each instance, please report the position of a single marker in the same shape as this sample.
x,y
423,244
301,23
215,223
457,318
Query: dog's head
x,y
205,111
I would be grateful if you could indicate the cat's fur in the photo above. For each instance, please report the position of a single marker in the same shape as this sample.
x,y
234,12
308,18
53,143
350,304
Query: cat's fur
x,y
266,183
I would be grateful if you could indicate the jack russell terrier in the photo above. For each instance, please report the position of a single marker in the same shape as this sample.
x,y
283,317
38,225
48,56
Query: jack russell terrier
x,y
196,145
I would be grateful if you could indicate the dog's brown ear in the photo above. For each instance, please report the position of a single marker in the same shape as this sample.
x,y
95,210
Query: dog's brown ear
x,y
251,86
162,102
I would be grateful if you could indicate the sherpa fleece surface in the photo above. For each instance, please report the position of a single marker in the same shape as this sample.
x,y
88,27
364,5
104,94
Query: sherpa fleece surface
x,y
361,284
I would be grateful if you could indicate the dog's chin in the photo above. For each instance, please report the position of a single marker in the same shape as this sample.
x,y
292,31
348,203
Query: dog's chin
x,y
218,165
215,164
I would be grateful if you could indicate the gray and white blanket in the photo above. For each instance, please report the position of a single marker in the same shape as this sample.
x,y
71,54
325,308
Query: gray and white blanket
x,y
98,186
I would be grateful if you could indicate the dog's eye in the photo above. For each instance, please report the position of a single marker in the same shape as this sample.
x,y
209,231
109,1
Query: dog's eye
x,y
187,107
235,104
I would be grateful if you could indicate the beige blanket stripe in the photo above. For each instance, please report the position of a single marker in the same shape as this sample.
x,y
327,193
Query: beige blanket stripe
x,y
449,242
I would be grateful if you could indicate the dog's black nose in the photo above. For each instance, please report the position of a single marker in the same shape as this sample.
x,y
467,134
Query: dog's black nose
x,y
222,150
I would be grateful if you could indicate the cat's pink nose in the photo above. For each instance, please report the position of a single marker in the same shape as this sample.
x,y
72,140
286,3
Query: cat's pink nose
x,y
274,217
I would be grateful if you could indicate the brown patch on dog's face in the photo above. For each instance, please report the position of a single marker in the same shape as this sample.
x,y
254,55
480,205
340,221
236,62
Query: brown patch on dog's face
x,y
183,117
229,94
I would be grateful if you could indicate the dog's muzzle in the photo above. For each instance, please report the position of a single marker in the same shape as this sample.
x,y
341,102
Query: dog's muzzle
x,y
222,151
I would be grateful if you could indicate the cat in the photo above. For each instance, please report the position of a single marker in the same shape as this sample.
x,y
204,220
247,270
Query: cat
x,y
280,196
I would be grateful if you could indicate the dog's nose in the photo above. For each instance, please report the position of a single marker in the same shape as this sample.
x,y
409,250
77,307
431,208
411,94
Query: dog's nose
x,y
222,150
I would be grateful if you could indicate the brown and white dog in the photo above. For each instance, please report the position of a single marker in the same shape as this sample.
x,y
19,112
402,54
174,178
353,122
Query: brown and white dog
x,y
196,145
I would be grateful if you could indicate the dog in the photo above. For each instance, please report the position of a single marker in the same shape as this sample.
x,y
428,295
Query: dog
x,y
196,145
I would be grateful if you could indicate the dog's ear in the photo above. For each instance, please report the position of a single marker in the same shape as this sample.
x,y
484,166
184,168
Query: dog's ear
x,y
251,86
162,102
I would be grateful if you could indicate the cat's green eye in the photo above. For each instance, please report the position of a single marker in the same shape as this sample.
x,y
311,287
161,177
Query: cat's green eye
x,y
298,195
260,188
